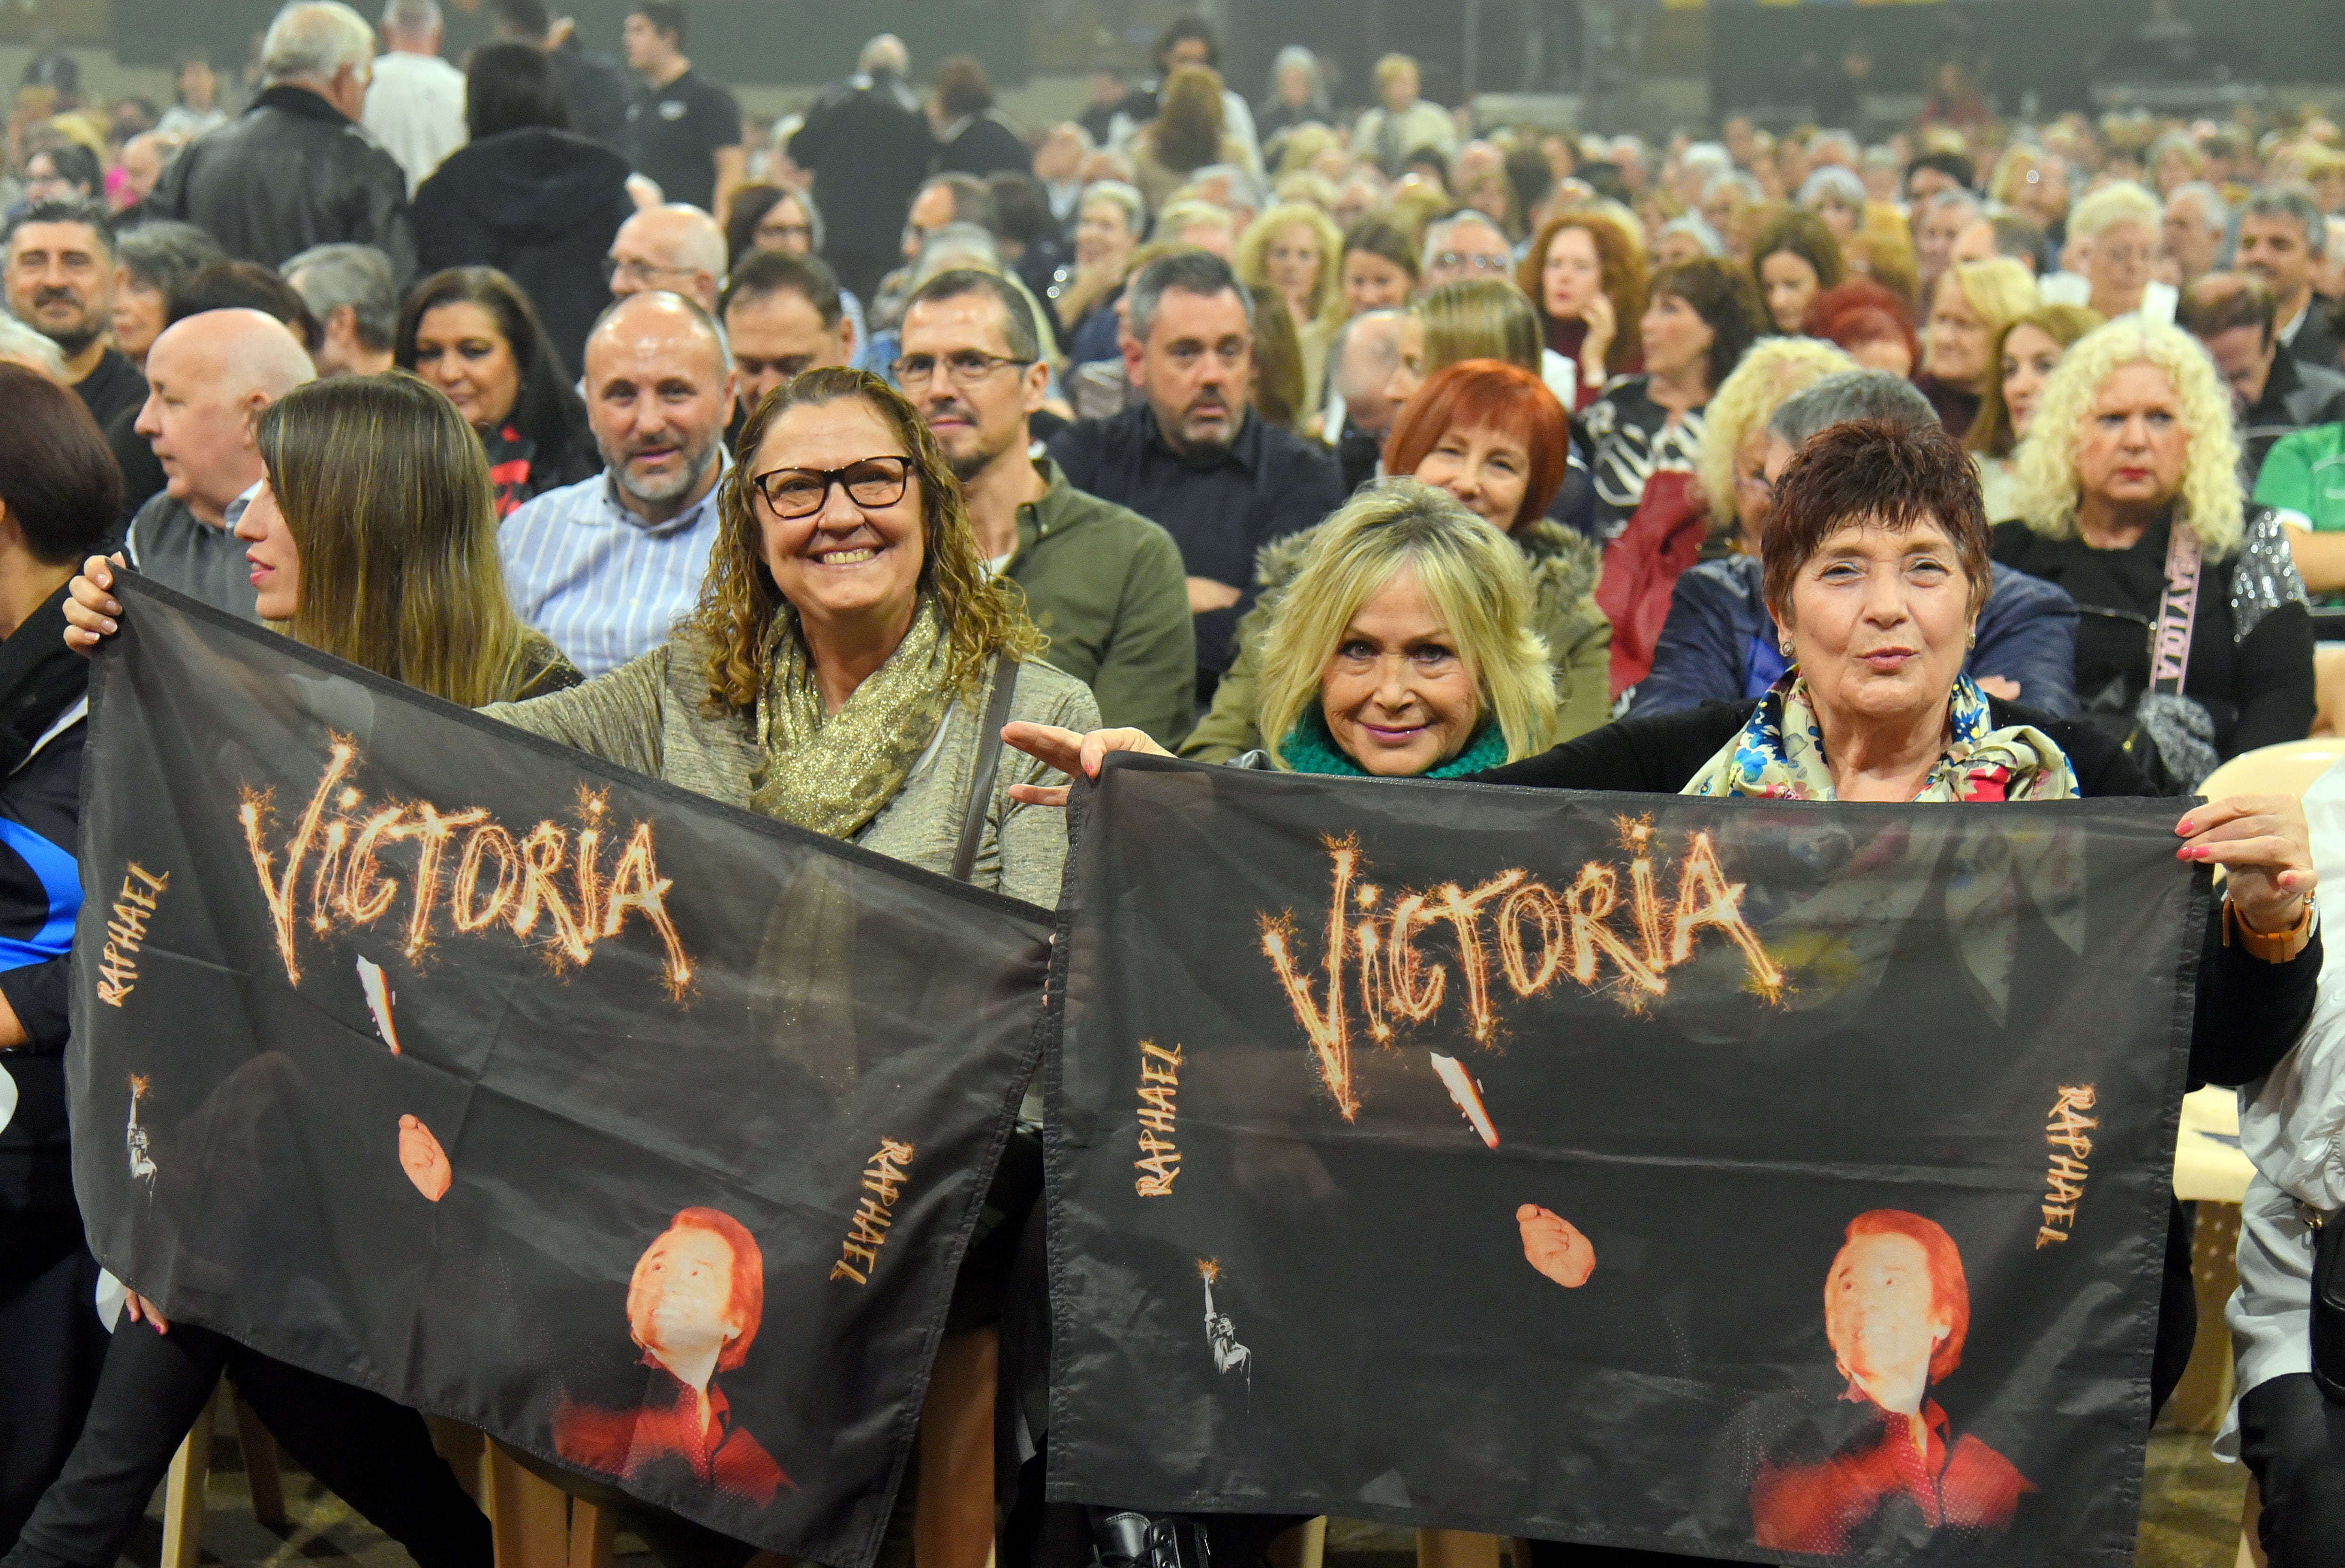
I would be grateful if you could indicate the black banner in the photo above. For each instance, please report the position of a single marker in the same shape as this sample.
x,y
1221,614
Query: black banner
x,y
642,1133
1742,1179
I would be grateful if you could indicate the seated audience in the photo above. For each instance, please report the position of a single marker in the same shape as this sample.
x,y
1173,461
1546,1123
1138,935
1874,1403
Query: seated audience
x,y
1190,457
1104,583
2122,222
783,315
208,377
2232,315
150,263
607,566
2012,234
473,335
1868,322
677,248
2129,473
1969,308
2024,355
529,196
60,265
1492,435
2196,221
1721,643
844,654
1379,267
348,291
1699,318
1586,277
1109,222
1293,251
1794,258
1358,409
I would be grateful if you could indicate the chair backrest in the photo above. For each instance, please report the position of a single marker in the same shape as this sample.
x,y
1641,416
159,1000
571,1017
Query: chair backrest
x,y
2287,768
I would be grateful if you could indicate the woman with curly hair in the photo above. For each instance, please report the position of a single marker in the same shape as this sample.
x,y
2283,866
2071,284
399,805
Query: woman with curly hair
x,y
852,662
2130,498
1793,258
1586,276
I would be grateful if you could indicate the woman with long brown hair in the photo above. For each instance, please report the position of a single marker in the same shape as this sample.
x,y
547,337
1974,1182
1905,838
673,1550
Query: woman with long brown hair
x,y
1586,277
1187,134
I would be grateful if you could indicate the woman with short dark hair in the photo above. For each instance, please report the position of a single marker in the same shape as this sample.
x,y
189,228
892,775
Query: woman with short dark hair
x,y
526,195
472,333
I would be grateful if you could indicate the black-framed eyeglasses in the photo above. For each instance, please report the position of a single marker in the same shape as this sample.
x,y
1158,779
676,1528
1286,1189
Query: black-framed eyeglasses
x,y
965,367
801,491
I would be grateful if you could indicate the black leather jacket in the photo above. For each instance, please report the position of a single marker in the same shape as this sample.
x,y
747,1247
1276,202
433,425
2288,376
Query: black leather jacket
x,y
289,173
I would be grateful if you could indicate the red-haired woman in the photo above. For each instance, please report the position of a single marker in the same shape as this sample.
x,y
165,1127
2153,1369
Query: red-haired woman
x,y
1870,322
1494,436
1588,279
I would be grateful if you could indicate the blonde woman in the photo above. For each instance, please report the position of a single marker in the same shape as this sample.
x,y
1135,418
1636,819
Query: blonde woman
x,y
2129,484
2024,356
1734,433
1476,319
1295,249
1970,307
1402,647
2121,224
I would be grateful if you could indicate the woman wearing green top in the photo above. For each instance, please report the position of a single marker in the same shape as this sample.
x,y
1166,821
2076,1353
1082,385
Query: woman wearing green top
x,y
1404,647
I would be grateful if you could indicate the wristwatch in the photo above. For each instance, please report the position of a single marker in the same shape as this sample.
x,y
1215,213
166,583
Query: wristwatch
x,y
2272,947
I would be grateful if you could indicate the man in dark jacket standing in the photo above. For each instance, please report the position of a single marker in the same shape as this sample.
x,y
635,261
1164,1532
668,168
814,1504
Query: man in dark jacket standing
x,y
868,145
595,87
295,170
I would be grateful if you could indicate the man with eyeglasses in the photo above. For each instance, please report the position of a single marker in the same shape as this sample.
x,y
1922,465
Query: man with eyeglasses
x,y
1190,456
1104,583
606,566
782,314
1467,246
676,249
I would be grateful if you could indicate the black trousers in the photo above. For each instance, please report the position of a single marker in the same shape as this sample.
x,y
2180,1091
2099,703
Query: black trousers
x,y
52,1346
2294,1441
376,1455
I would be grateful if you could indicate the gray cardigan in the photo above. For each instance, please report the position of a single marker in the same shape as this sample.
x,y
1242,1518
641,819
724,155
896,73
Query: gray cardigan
x,y
649,715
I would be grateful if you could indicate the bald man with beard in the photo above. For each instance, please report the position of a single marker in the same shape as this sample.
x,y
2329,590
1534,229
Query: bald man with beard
x,y
207,378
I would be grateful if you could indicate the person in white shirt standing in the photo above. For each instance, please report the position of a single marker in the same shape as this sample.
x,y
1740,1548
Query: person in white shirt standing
x,y
415,105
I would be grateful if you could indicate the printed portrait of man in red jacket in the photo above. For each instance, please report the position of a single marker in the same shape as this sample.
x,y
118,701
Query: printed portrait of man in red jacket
x,y
1896,1310
693,1305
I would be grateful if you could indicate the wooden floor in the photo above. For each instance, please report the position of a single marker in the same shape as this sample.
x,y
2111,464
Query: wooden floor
x,y
2191,1520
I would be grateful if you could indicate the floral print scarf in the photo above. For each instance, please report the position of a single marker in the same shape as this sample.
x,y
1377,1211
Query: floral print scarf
x,y
1779,755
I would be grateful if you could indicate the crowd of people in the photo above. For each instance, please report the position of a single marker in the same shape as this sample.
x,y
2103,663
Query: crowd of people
x,y
795,463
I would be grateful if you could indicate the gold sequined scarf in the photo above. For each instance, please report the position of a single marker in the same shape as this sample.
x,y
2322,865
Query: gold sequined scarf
x,y
833,774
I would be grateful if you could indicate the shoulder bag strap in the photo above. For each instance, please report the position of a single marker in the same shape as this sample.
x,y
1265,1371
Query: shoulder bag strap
x,y
2178,611
988,768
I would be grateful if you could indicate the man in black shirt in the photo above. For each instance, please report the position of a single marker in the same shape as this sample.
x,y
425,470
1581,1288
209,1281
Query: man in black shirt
x,y
683,131
60,281
1222,482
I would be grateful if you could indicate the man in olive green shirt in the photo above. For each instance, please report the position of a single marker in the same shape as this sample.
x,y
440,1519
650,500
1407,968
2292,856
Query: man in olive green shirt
x,y
1104,583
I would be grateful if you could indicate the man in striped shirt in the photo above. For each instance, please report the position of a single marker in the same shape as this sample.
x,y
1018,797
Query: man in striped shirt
x,y
606,567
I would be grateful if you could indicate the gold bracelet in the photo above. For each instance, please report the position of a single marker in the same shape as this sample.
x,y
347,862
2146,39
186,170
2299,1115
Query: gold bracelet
x,y
2272,947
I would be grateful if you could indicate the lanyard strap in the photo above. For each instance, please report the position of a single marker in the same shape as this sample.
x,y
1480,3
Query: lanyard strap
x,y
2178,611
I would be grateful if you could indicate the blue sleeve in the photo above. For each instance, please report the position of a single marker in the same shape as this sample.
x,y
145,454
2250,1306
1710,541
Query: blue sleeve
x,y
2027,633
1702,651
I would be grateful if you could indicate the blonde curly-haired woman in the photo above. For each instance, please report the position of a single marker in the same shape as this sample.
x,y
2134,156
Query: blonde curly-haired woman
x,y
2129,497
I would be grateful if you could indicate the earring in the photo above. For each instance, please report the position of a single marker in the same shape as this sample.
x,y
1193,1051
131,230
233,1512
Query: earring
x,y
1786,646
1974,642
